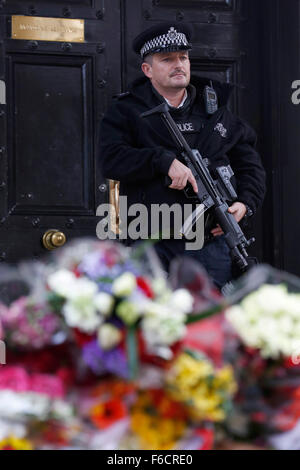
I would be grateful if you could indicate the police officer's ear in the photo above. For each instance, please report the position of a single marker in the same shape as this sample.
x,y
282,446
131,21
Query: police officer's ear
x,y
147,65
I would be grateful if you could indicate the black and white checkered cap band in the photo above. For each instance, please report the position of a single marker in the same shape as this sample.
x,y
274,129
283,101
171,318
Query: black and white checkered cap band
x,y
172,38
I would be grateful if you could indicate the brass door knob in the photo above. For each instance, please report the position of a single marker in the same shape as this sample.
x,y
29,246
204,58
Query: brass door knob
x,y
53,239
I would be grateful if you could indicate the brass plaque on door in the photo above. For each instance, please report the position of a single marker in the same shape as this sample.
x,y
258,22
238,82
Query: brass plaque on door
x,y
47,29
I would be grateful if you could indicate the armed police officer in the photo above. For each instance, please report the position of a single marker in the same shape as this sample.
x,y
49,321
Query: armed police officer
x,y
141,154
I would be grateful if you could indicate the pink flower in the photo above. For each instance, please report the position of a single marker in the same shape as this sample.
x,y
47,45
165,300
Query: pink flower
x,y
14,378
48,385
15,312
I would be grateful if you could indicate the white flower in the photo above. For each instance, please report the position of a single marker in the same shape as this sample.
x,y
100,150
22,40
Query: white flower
x,y
81,313
60,409
84,288
268,319
16,405
163,311
25,405
182,300
104,303
62,282
139,300
8,428
109,336
162,330
124,285
162,324
66,284
128,312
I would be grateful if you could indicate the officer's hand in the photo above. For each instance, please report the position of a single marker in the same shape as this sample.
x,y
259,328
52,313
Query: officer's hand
x,y
180,175
238,210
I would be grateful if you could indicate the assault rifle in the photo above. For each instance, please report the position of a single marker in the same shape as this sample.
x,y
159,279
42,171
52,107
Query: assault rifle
x,y
212,193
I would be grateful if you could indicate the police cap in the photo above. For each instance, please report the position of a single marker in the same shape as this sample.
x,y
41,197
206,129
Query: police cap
x,y
163,37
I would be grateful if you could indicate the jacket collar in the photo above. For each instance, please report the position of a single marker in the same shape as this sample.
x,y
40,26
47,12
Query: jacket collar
x,y
141,88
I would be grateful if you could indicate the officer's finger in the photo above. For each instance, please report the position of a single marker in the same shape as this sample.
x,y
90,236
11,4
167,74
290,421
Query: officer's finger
x,y
185,181
193,182
175,183
237,213
182,182
217,232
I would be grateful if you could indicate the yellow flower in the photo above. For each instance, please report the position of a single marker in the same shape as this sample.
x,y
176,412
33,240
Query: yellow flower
x,y
189,370
225,379
217,415
155,432
13,443
194,382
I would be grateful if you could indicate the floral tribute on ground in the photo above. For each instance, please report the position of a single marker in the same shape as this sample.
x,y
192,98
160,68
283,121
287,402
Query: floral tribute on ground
x,y
105,352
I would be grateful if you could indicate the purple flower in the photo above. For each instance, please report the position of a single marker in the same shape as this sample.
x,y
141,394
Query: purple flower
x,y
94,265
113,361
49,323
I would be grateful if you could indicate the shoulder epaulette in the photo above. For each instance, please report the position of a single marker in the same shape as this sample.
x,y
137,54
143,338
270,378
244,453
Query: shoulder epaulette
x,y
121,95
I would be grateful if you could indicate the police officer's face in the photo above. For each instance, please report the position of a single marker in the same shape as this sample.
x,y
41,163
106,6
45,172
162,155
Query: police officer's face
x,y
168,70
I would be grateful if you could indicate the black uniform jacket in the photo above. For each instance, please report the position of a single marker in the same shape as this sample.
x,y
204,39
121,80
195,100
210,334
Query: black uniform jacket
x,y
138,152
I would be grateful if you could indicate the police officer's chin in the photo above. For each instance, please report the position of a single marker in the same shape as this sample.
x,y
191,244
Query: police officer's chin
x,y
180,81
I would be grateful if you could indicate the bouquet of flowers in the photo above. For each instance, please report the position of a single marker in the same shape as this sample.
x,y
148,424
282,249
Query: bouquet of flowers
x,y
98,310
113,309
263,344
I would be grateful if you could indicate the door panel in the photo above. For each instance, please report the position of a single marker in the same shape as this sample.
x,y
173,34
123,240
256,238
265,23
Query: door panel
x,y
51,130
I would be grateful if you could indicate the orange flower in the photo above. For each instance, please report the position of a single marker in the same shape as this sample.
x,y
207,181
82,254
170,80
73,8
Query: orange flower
x,y
107,413
113,388
167,407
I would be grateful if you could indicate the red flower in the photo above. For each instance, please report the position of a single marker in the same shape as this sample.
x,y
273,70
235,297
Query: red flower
x,y
208,438
145,286
82,338
56,434
66,375
289,364
107,413
76,272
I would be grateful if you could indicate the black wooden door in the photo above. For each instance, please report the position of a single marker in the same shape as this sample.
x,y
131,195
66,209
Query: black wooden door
x,y
56,93
280,41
